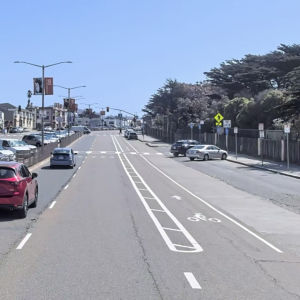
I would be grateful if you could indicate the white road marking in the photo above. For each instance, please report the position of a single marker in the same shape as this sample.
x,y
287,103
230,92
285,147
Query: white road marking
x,y
213,208
176,197
146,153
79,168
159,153
192,241
26,238
132,152
192,280
149,198
103,152
74,175
66,187
159,210
172,229
52,205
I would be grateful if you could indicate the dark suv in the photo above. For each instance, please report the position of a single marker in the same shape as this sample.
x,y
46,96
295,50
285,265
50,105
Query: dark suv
x,y
180,147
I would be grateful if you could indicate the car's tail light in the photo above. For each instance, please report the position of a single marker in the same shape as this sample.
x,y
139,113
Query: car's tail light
x,y
16,185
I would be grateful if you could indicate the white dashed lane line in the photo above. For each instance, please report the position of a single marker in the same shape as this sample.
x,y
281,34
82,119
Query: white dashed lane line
x,y
192,280
52,204
26,238
66,187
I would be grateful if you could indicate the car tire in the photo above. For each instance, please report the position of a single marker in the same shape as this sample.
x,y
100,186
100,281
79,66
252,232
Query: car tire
x,y
22,214
224,156
206,157
192,158
34,204
38,145
176,154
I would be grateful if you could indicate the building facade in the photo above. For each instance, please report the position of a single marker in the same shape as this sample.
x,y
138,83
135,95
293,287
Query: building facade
x,y
56,116
16,116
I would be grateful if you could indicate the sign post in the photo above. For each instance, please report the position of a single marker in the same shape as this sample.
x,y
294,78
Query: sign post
x,y
226,125
199,132
226,133
261,136
191,125
287,130
235,133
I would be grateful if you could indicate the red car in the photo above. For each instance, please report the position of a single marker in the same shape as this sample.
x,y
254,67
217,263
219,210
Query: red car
x,y
18,188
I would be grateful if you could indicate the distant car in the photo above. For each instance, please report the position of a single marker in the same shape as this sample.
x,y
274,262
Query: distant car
x,y
126,132
181,147
206,152
10,154
83,129
48,128
25,129
34,139
132,135
14,130
18,188
63,157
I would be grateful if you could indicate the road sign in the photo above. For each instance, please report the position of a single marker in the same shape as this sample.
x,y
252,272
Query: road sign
x,y
287,128
120,116
218,117
226,131
218,124
191,125
261,126
201,122
227,123
43,114
218,129
236,130
261,134
102,112
199,126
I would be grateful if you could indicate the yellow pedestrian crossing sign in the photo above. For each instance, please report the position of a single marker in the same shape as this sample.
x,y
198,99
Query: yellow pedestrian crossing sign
x,y
218,117
218,124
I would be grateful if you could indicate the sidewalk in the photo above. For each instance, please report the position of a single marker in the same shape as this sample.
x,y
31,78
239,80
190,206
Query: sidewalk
x,y
151,142
269,165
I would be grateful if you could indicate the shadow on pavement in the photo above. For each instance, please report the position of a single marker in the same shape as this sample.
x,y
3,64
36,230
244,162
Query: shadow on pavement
x,y
56,168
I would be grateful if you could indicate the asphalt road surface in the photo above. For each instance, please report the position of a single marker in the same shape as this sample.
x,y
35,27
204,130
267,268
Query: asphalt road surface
x,y
130,223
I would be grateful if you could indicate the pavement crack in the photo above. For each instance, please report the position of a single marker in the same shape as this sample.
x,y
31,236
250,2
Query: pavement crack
x,y
144,257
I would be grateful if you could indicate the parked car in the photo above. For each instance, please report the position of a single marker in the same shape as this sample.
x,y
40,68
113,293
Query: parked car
x,y
18,188
84,129
206,152
126,132
35,139
132,135
48,128
10,154
16,146
25,129
21,129
63,157
14,130
181,147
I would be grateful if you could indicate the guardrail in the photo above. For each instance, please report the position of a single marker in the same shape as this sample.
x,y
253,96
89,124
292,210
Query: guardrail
x,y
32,157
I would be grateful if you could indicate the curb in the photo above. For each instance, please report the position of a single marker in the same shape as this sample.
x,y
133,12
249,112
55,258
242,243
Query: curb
x,y
45,160
266,169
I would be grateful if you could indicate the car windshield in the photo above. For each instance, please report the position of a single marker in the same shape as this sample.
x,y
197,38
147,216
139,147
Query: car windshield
x,y
6,173
17,143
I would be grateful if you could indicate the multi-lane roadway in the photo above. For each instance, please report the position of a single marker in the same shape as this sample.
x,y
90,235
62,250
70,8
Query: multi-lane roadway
x,y
130,223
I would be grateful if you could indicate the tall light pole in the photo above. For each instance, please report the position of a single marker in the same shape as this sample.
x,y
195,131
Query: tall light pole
x,y
43,89
69,92
101,116
89,105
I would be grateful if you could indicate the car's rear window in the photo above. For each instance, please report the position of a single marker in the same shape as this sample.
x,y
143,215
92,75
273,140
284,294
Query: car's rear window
x,y
61,152
198,147
7,173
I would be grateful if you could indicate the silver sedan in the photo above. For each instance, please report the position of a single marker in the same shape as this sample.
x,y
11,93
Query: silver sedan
x,y
206,152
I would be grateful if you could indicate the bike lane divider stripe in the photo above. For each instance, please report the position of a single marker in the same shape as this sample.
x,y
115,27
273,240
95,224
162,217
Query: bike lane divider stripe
x,y
216,210
195,246
26,238
192,280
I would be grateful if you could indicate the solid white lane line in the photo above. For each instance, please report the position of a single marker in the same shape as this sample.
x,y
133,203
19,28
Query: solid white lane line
x,y
26,238
66,187
74,175
149,198
79,168
52,205
159,210
213,208
197,247
172,229
192,280
118,145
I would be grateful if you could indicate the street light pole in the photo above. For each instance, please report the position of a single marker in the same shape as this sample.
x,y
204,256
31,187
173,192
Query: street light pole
x,y
68,109
43,86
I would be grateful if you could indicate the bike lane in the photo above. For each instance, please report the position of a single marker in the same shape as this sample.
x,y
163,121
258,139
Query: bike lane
x,y
231,253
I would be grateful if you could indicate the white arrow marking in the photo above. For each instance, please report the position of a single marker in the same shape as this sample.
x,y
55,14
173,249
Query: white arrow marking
x,y
177,197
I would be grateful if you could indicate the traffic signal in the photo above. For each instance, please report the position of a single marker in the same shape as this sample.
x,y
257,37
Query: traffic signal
x,y
66,103
107,109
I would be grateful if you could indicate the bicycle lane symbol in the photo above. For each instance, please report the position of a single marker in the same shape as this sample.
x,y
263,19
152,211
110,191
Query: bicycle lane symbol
x,y
198,216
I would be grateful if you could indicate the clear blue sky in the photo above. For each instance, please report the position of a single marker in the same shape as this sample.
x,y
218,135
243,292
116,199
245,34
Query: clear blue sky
x,y
124,50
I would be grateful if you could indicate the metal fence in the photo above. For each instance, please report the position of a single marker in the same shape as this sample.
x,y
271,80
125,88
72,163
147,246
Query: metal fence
x,y
32,157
